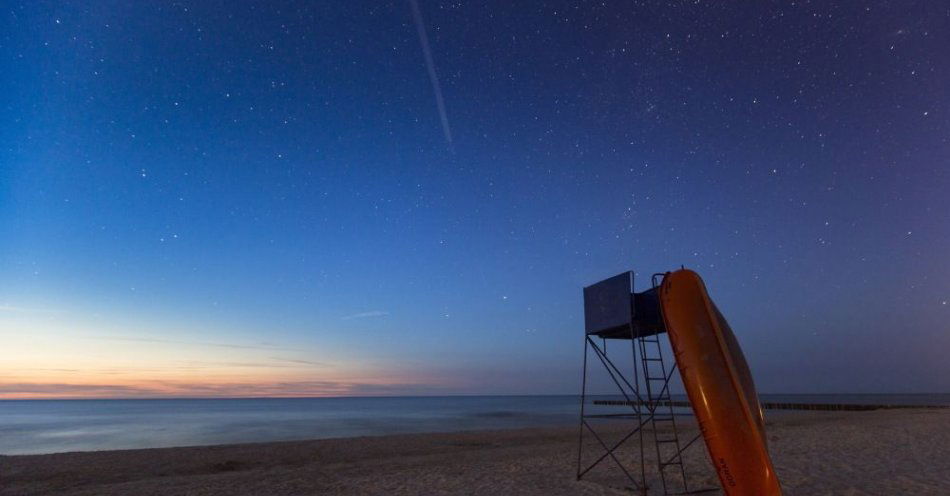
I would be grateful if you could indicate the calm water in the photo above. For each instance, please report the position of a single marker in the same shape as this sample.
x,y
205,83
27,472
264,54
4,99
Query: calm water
x,y
47,426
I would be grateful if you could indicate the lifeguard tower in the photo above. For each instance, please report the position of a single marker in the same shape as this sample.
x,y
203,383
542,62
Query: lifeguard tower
x,y
613,312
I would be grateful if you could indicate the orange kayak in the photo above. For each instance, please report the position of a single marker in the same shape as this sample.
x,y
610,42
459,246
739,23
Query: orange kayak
x,y
719,386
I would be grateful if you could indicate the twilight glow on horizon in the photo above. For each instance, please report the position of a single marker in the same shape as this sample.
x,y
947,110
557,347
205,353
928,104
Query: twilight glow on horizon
x,y
219,199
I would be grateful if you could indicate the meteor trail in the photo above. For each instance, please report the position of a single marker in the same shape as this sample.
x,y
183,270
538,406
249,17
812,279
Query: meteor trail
x,y
430,65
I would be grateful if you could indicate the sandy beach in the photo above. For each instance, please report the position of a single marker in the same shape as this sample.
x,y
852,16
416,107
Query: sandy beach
x,y
904,452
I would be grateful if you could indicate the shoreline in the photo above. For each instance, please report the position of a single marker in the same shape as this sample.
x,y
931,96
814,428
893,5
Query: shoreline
x,y
903,451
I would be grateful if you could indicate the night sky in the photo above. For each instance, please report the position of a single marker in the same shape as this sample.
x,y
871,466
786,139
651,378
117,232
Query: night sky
x,y
284,198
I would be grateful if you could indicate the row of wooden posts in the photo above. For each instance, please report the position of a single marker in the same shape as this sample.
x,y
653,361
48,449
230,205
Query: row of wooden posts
x,y
785,406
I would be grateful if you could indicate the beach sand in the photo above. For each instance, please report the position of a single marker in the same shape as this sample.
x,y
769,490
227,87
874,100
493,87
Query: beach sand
x,y
897,452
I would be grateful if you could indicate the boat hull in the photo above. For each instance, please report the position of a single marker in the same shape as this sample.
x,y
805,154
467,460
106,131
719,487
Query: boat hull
x,y
719,385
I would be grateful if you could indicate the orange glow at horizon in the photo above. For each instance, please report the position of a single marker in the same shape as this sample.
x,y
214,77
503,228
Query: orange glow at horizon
x,y
53,360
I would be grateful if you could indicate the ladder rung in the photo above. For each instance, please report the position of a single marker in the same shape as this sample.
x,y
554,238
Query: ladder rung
x,y
670,463
652,359
671,440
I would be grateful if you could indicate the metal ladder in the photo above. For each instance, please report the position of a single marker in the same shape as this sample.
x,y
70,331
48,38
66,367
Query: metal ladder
x,y
668,451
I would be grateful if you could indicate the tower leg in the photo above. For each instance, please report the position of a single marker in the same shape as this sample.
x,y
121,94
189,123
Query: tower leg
x,y
580,434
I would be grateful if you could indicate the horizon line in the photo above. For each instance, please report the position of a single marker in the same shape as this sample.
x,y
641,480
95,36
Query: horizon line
x,y
470,395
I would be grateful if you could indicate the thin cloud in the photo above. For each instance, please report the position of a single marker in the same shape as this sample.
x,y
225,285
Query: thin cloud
x,y
60,389
263,346
18,309
168,389
43,369
203,365
366,315
301,362
274,362
300,388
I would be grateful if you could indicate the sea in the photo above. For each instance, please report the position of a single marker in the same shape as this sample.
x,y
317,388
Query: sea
x,y
52,426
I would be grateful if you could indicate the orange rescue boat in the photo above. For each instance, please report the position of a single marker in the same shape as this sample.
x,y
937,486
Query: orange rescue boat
x,y
719,385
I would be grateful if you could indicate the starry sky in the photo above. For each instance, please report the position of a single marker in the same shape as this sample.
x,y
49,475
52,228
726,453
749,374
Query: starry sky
x,y
215,198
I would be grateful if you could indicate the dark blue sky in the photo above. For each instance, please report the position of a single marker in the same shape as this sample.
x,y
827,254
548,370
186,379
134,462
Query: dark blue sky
x,y
269,190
